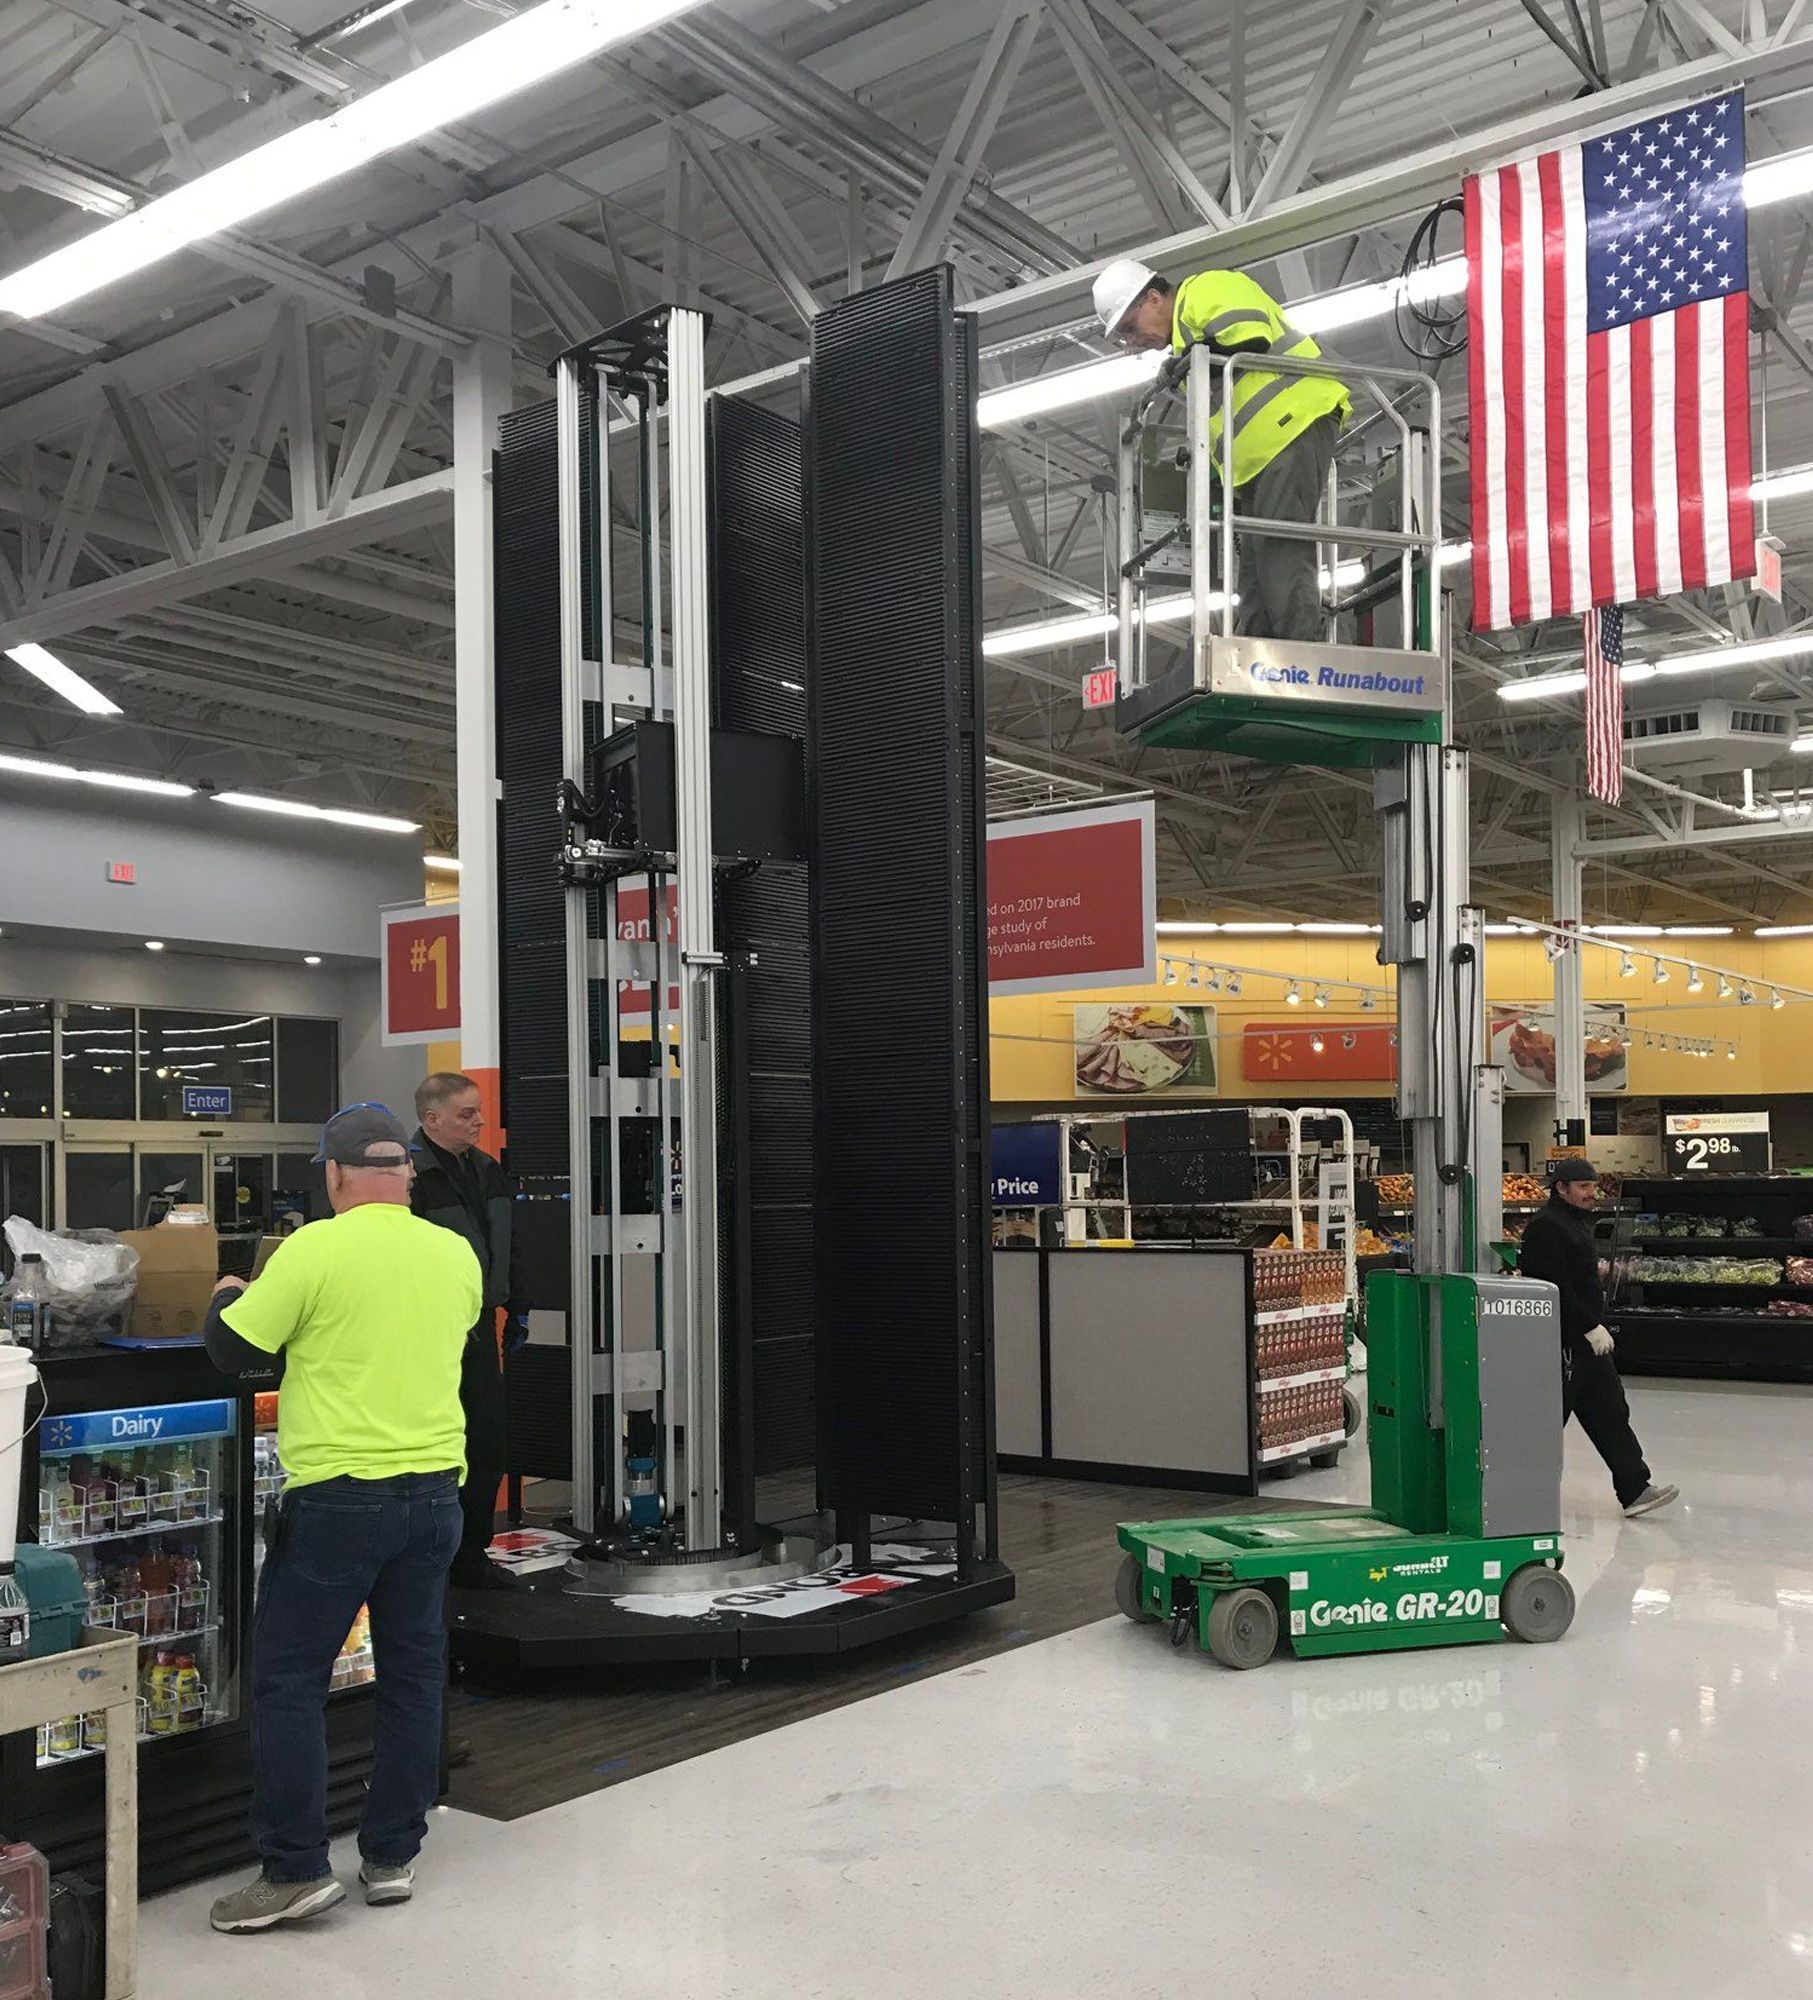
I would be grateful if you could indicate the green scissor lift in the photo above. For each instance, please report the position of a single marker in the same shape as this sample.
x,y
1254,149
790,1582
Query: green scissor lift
x,y
1462,1543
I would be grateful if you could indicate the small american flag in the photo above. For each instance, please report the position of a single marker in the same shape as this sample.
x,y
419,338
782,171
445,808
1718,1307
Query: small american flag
x,y
1605,703
1609,369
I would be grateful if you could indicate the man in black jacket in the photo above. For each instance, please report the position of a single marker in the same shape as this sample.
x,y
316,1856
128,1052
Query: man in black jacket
x,y
1558,1245
461,1187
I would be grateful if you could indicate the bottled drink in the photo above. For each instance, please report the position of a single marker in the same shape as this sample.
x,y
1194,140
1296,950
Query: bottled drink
x,y
188,1693
159,1684
66,1504
100,1501
188,1486
129,1592
15,1617
157,1575
191,1591
132,1500
65,1737
28,1304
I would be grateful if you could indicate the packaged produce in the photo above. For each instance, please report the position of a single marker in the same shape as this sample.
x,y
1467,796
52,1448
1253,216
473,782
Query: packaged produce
x,y
1800,1270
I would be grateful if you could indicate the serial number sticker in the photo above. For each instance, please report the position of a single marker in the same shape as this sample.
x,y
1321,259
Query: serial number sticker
x,y
1155,1559
1543,1542
1299,1579
1299,1624
1493,1571
1491,1607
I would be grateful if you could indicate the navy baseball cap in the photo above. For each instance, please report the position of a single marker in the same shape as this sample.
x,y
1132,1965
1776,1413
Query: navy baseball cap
x,y
364,1135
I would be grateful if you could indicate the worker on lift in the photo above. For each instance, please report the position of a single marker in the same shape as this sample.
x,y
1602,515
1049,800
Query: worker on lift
x,y
1285,426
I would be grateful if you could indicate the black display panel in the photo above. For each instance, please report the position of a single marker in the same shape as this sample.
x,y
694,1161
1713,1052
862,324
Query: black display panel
x,y
899,1012
1183,1158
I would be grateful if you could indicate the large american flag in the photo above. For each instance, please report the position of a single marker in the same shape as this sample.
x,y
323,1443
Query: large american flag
x,y
1609,370
1604,640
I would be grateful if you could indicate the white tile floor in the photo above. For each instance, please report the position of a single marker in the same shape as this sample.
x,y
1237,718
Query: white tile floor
x,y
1629,1813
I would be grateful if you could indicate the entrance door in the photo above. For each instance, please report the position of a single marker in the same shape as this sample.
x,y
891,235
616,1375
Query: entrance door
x,y
97,1187
22,1189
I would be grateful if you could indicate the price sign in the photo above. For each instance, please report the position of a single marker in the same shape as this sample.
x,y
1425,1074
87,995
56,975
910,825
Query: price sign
x,y
1718,1142
1100,687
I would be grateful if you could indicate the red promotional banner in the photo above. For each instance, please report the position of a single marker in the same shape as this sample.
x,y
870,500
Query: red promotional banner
x,y
1318,1052
1072,900
421,979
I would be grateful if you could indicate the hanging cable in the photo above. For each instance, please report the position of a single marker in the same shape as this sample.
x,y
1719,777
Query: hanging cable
x,y
1433,329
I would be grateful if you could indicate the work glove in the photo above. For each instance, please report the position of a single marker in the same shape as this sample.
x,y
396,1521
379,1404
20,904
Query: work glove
x,y
516,1333
1599,1340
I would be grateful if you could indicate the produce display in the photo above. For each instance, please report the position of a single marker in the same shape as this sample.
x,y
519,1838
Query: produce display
x,y
1699,1228
1706,1270
1520,1190
1800,1270
1788,1309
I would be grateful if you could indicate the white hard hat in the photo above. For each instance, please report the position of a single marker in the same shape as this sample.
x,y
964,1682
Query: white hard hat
x,y
1118,286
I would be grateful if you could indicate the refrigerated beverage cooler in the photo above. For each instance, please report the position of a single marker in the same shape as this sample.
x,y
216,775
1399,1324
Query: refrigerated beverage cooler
x,y
152,1470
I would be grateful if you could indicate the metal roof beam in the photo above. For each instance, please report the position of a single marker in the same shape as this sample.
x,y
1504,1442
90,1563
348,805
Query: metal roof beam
x,y
397,510
1341,60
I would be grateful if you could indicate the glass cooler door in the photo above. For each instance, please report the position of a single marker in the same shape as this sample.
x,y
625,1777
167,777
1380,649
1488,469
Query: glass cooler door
x,y
144,1500
354,1667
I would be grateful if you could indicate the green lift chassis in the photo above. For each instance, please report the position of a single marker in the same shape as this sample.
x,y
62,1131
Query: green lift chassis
x,y
1462,1544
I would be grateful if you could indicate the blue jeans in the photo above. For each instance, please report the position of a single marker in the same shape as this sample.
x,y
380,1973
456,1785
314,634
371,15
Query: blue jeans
x,y
386,1543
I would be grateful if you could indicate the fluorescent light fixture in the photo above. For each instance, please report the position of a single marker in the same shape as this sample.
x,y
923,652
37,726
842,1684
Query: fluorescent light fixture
x,y
1769,181
1715,659
311,958
1697,930
496,64
1173,609
1187,930
372,822
442,864
360,21
1625,930
1802,746
1356,304
1789,485
122,781
154,944
1254,927
1064,388
1338,930
1783,930
45,666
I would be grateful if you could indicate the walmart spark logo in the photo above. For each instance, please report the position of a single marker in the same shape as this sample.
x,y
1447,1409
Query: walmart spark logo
x,y
59,1434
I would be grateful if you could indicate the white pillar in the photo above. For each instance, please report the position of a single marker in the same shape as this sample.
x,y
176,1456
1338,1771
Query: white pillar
x,y
482,382
1567,824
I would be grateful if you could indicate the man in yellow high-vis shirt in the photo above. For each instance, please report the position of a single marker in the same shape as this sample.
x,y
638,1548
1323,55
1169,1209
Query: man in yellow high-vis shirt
x,y
1285,426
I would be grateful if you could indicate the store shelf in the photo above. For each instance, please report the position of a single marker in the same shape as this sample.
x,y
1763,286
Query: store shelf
x,y
1302,1447
188,1632
1714,1246
1304,1381
1296,1315
132,1534
1663,1315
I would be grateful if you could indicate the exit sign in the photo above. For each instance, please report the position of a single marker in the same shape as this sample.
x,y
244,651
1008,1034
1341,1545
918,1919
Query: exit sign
x,y
122,871
1100,687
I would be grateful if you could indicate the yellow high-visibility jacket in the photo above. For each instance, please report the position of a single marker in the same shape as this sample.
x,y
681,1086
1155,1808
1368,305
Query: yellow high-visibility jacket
x,y
1227,309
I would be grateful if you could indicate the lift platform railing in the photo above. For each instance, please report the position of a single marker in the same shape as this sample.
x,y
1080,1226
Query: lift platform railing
x,y
1207,383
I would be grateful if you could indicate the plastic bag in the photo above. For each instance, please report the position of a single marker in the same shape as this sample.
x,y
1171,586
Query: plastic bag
x,y
91,1274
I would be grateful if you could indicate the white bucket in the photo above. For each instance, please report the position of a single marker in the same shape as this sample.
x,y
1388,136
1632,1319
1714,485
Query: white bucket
x,y
18,1373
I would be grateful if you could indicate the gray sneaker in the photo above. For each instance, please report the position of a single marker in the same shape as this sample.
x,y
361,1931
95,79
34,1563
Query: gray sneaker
x,y
1651,1498
262,1905
387,1885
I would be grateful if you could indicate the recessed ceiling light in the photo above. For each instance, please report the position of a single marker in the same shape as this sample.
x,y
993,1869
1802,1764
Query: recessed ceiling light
x,y
154,944
312,958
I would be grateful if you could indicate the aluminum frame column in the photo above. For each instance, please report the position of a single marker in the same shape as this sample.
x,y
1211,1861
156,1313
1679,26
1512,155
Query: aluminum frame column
x,y
483,382
582,1317
1567,828
700,961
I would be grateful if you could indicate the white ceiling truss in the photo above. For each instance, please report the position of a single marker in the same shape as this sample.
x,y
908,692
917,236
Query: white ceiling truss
x,y
226,485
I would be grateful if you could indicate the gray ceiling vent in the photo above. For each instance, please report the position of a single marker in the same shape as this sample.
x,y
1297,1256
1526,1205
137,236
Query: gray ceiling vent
x,y
1710,735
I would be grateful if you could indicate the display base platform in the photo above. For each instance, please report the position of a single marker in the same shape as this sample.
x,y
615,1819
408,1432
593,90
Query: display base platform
x,y
542,1625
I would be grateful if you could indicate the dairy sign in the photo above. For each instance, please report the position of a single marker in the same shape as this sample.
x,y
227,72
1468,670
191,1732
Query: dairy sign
x,y
1366,678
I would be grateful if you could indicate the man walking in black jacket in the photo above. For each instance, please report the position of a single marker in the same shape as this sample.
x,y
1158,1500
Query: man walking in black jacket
x,y
462,1188
1558,1245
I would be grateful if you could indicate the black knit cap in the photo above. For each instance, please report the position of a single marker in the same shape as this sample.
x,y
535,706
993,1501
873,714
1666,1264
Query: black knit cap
x,y
1572,1170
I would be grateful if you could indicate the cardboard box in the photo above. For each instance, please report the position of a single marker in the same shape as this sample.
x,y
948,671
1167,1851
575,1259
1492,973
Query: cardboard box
x,y
177,1266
